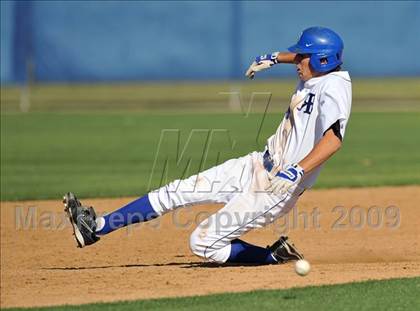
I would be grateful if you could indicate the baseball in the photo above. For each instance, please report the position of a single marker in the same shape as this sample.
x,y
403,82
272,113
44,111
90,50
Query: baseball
x,y
302,267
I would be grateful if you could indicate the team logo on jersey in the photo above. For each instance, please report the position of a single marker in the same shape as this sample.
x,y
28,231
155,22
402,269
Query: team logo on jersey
x,y
308,104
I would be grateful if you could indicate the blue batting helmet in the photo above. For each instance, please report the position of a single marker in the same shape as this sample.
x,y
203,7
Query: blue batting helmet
x,y
324,46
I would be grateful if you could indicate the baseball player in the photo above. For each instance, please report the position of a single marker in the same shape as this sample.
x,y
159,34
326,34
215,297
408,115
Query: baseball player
x,y
259,187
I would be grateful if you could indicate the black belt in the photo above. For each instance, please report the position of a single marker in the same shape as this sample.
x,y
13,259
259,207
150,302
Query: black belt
x,y
267,161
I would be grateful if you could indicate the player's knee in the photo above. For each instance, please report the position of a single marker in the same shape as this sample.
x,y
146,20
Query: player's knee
x,y
204,247
197,244
201,245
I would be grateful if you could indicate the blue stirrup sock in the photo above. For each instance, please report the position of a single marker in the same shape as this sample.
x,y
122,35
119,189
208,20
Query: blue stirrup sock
x,y
243,252
137,211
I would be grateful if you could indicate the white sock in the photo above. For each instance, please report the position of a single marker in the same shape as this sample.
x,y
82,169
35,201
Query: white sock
x,y
100,223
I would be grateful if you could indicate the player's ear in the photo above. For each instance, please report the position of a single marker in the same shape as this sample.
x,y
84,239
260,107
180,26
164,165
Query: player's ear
x,y
324,61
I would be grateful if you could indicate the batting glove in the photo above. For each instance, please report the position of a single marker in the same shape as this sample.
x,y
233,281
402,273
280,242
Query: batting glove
x,y
285,180
261,63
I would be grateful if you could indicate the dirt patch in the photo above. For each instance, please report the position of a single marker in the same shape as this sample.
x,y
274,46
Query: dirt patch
x,y
375,236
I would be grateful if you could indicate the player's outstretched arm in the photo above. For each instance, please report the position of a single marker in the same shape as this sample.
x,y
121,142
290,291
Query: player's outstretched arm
x,y
266,61
326,147
286,58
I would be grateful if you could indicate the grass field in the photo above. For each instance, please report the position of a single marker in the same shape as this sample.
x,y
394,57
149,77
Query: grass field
x,y
69,144
98,154
397,294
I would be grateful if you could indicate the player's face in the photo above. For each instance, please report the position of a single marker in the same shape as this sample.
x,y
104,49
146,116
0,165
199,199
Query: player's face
x,y
303,67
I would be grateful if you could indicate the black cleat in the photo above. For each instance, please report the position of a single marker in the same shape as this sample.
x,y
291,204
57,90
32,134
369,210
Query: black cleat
x,y
283,251
83,220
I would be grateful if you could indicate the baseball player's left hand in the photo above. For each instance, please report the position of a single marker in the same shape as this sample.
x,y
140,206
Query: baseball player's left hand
x,y
260,63
286,180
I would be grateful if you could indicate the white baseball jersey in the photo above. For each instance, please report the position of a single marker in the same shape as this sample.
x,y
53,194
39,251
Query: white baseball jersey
x,y
325,100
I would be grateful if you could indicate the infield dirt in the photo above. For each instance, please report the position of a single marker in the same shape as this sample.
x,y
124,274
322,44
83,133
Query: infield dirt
x,y
359,234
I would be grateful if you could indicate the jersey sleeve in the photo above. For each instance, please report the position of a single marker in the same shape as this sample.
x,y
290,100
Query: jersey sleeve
x,y
334,105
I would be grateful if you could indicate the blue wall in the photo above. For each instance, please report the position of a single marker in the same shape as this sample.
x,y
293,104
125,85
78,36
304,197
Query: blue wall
x,y
114,41
6,44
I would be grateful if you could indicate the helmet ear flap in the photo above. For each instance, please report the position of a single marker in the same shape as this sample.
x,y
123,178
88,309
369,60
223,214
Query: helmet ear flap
x,y
321,62
315,63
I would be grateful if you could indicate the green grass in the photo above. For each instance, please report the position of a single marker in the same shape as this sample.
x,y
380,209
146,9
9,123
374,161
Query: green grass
x,y
111,154
401,94
397,294
101,140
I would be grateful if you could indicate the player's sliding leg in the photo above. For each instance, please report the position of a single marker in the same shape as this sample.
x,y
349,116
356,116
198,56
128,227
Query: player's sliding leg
x,y
139,210
243,252
215,185
217,238
279,252
207,187
87,227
